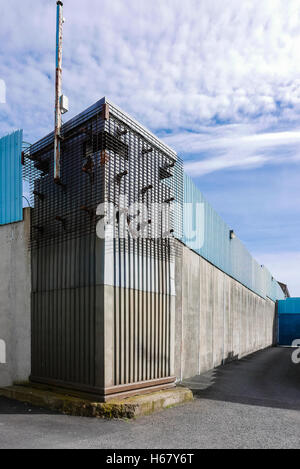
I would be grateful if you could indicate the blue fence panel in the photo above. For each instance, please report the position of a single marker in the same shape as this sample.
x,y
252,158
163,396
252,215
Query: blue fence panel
x,y
289,306
11,178
288,321
205,232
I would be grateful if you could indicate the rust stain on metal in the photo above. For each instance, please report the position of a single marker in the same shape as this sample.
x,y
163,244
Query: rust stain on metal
x,y
89,166
39,195
88,210
58,88
104,158
105,111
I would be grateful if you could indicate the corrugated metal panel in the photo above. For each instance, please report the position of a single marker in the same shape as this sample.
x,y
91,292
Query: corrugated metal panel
x,y
142,317
273,289
101,308
63,311
206,233
11,178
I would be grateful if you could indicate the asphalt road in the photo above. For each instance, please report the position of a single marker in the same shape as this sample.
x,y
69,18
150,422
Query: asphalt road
x,y
252,403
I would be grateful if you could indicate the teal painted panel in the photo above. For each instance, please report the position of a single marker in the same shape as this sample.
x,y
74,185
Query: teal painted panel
x,y
205,232
288,321
11,178
289,306
288,329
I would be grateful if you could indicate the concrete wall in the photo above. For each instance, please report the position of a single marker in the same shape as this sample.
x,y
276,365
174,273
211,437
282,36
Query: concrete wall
x,y
15,287
217,318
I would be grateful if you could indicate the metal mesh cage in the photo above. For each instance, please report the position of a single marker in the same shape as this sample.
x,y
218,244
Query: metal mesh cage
x,y
106,158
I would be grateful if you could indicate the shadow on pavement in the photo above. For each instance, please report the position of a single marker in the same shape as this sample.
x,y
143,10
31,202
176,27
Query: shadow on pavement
x,y
8,406
267,378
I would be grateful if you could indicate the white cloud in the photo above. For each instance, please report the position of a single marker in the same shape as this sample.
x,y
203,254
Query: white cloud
x,y
2,92
170,66
225,161
235,146
174,66
285,266
220,137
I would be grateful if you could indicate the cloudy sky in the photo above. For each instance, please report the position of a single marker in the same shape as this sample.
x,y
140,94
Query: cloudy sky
x,y
218,80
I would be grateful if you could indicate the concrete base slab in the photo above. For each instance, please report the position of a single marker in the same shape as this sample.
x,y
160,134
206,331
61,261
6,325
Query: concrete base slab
x,y
81,406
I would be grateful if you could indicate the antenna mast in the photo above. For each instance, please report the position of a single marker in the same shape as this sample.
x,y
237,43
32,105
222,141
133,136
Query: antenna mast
x,y
61,102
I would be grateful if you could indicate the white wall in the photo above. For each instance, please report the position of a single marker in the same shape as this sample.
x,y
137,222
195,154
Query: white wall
x,y
15,289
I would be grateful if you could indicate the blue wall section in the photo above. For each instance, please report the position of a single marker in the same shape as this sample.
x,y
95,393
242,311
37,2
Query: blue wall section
x,y
289,306
11,178
205,232
288,321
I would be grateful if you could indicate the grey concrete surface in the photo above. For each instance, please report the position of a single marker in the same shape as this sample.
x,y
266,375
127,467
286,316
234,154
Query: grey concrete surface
x,y
252,403
216,317
15,288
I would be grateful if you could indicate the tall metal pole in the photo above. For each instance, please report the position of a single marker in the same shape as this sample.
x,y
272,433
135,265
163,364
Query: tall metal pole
x,y
58,91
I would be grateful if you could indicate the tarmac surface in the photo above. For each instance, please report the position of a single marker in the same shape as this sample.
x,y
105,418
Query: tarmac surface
x,y
250,403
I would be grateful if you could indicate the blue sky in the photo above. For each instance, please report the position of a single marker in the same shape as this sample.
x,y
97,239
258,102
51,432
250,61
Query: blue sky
x,y
218,81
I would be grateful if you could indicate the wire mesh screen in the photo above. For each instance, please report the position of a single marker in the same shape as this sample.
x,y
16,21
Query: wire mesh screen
x,y
121,184
116,180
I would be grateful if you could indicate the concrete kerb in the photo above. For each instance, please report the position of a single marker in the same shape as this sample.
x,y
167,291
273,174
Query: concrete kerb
x,y
117,408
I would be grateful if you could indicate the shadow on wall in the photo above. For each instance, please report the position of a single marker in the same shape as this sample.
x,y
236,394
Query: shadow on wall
x,y
230,358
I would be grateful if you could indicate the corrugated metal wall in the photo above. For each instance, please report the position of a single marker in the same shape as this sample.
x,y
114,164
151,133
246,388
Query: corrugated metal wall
x,y
142,309
11,178
205,232
101,308
63,311
141,267
102,313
